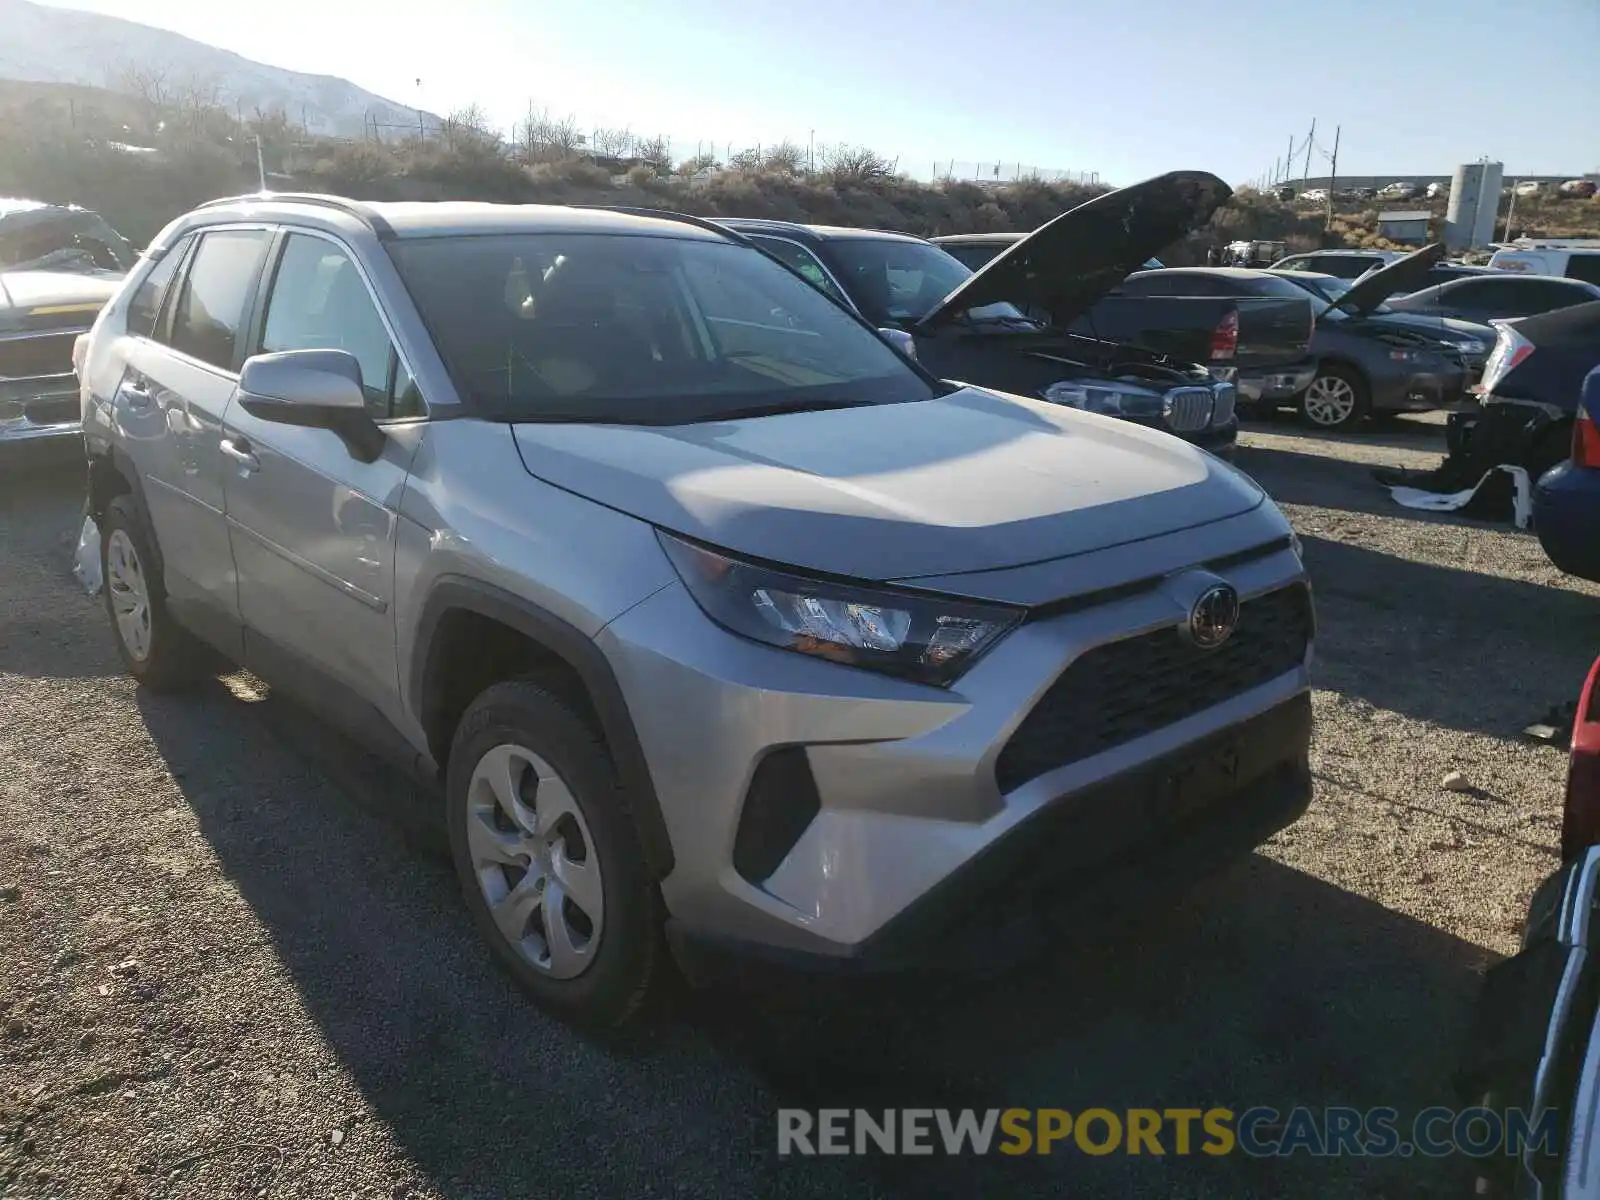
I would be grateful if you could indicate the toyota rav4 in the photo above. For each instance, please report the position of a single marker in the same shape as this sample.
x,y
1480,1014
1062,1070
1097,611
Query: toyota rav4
x,y
722,625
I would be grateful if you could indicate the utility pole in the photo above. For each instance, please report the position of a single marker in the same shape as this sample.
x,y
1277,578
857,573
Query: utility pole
x,y
1333,178
1288,158
811,153
1310,139
1511,207
261,165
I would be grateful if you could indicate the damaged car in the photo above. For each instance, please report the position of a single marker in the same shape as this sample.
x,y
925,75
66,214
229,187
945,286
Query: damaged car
x,y
1523,414
1011,325
1372,360
58,267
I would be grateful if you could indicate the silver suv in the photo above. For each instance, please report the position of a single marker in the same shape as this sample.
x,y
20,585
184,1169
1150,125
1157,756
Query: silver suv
x,y
724,626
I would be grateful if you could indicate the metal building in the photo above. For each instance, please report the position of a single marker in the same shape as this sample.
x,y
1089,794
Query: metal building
x,y
1407,228
1474,201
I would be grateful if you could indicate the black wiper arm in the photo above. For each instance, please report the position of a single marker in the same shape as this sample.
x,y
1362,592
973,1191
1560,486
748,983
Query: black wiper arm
x,y
778,408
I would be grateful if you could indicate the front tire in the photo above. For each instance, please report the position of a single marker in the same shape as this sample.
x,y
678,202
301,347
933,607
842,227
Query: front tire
x,y
549,858
155,649
1338,399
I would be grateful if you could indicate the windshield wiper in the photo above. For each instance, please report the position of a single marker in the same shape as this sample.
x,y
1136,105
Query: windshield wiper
x,y
777,408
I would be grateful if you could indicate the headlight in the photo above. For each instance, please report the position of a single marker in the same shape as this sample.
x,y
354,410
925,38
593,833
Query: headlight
x,y
1111,401
925,638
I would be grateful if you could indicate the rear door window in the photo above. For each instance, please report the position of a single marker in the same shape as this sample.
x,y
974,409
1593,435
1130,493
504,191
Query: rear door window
x,y
211,307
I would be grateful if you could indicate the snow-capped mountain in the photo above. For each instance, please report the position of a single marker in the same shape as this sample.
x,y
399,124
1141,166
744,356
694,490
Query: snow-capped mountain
x,y
54,45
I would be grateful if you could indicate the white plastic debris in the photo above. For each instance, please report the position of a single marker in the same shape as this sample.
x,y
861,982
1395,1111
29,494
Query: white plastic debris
x,y
86,562
1522,501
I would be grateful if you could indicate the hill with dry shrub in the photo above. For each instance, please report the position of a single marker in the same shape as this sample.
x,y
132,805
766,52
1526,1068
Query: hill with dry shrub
x,y
141,158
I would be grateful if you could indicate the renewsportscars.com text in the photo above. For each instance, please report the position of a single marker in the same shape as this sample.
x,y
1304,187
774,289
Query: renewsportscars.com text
x,y
1259,1132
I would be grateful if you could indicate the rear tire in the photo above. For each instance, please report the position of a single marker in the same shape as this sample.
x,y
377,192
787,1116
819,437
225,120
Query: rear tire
x,y
155,649
549,856
1337,399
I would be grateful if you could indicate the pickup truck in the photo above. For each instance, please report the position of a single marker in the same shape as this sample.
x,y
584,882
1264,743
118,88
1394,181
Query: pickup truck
x,y
1260,343
1016,325
58,266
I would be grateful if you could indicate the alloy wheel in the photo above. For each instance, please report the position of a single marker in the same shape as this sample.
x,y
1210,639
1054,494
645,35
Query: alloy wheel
x,y
130,594
1330,400
535,861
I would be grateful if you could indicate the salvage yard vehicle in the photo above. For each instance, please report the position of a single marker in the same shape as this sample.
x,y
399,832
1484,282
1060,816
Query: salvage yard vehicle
x,y
1533,1045
1566,498
1572,258
1530,392
1361,361
724,626
1028,321
58,266
1496,296
1346,264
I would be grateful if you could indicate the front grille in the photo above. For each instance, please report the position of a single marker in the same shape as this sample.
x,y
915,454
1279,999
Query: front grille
x,y
1224,410
38,354
1188,410
1123,690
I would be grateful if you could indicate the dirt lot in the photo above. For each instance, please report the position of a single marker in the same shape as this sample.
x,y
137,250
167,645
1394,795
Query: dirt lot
x,y
232,961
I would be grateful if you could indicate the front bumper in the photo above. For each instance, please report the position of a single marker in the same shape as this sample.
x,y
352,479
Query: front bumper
x,y
1420,391
1277,384
38,413
907,777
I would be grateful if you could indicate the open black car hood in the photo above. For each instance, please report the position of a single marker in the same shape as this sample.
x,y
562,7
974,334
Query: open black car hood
x,y
1402,275
1068,263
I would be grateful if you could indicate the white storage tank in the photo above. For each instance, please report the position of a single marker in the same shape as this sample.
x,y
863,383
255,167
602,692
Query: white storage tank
x,y
1474,203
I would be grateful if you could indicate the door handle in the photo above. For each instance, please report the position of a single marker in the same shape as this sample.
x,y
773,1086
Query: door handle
x,y
238,449
137,399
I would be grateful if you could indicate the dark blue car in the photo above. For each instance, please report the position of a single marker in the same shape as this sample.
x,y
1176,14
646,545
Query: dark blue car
x,y
1566,501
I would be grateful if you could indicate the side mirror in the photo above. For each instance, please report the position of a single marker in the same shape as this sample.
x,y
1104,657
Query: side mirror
x,y
901,341
316,389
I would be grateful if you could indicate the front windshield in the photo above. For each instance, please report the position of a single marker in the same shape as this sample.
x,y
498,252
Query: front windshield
x,y
1326,291
640,330
899,283
62,240
1333,289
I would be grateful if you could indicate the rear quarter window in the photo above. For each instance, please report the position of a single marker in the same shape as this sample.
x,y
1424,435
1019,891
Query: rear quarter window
x,y
145,307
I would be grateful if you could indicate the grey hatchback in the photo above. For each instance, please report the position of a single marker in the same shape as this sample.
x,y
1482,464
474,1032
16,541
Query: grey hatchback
x,y
722,624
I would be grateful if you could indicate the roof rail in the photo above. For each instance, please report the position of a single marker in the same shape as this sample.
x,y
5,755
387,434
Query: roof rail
x,y
667,214
355,208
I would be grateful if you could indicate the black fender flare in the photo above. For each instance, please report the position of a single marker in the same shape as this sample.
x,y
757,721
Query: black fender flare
x,y
117,459
456,592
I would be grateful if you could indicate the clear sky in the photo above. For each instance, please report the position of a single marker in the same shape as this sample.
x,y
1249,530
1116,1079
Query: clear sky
x,y
1125,89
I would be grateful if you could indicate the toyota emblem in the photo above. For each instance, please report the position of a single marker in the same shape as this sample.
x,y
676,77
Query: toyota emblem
x,y
1214,616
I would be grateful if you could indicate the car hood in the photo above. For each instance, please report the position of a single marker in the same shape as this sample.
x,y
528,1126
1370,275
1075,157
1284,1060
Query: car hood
x,y
1450,329
55,293
972,481
1402,275
1068,263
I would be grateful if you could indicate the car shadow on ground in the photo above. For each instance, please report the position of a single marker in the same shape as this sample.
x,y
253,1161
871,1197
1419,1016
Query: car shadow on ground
x,y
1392,432
1266,987
41,636
1408,636
1294,477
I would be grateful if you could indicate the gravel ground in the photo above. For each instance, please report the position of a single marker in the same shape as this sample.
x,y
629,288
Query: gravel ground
x,y
232,961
